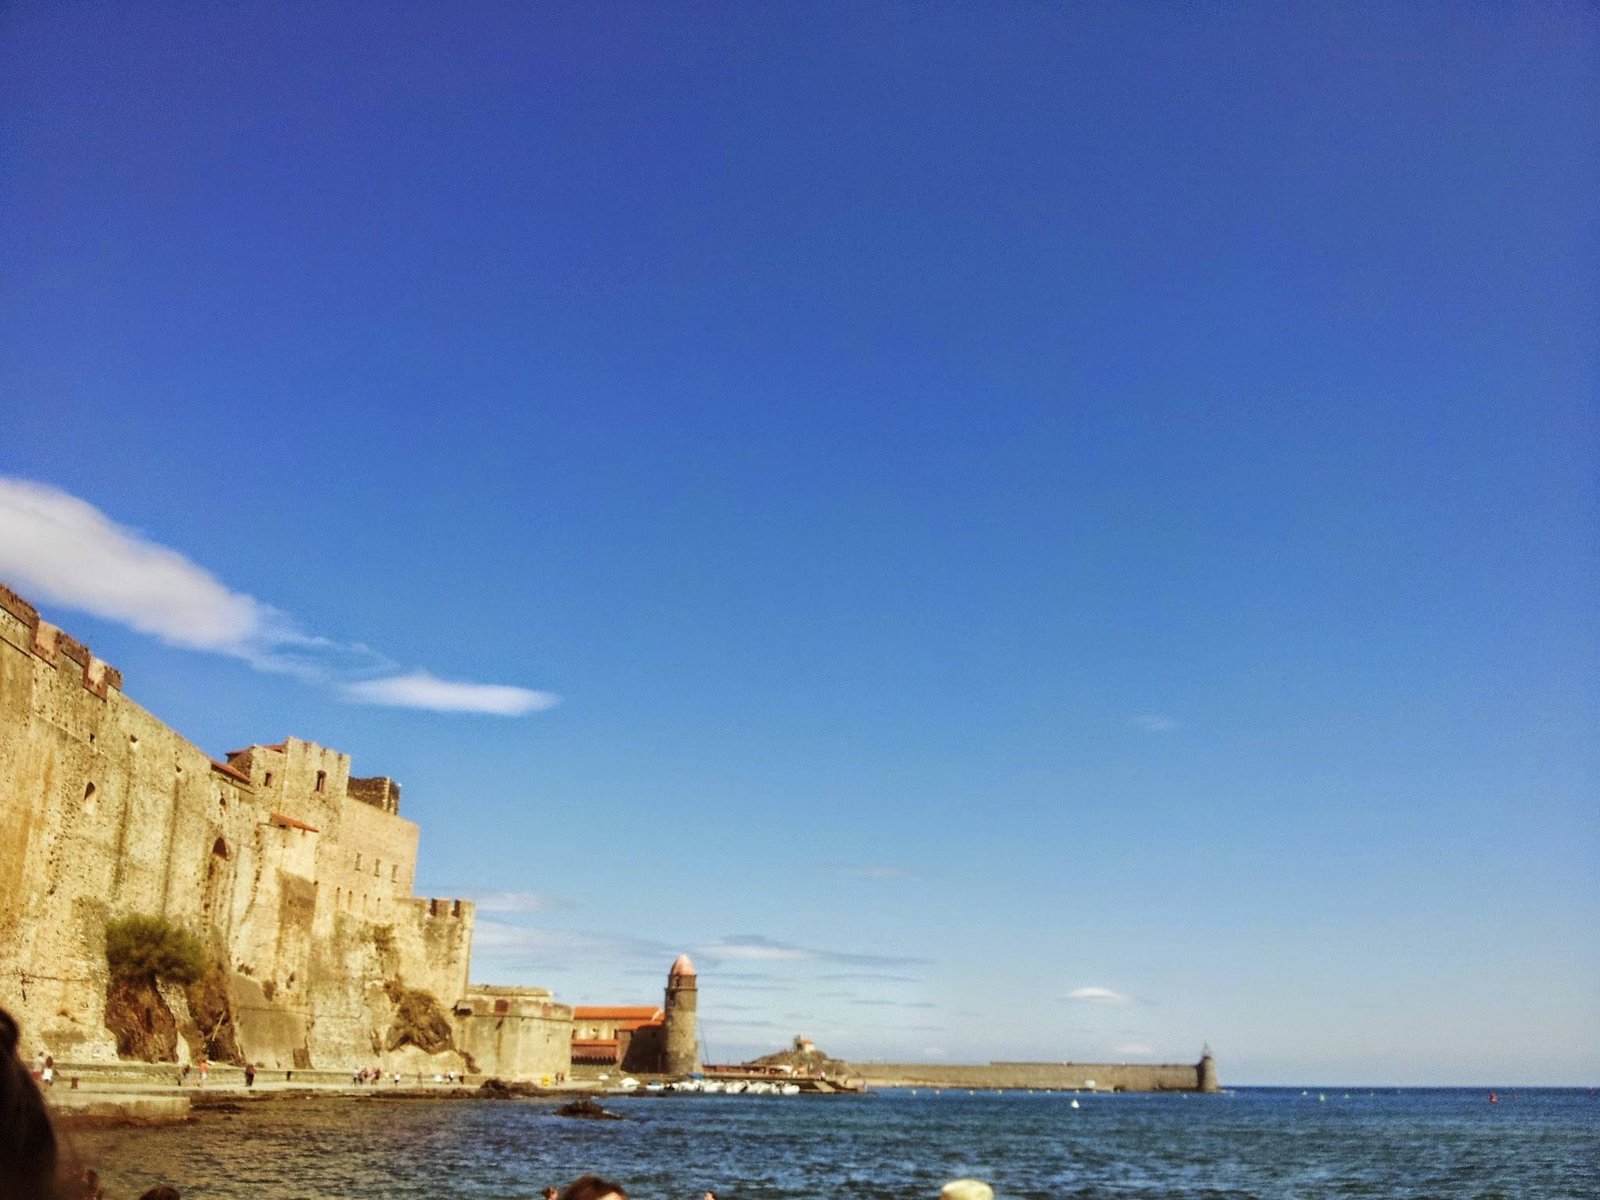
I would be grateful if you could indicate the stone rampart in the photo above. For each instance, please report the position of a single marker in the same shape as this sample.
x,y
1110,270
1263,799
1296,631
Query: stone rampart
x,y
518,1033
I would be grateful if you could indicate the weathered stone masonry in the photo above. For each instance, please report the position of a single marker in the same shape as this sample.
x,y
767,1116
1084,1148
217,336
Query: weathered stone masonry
x,y
298,876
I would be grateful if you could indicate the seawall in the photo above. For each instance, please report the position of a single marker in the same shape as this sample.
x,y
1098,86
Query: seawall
x,y
1043,1076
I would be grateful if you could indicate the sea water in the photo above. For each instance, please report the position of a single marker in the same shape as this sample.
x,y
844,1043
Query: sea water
x,y
1536,1144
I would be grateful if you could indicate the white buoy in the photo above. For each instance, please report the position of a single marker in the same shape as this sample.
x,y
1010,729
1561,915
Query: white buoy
x,y
1074,1104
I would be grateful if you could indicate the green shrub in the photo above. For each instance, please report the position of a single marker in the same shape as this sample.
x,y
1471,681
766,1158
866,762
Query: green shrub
x,y
150,948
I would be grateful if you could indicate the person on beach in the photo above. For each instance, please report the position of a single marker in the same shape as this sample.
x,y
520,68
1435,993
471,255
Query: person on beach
x,y
966,1189
249,1075
28,1153
48,1075
205,1071
593,1187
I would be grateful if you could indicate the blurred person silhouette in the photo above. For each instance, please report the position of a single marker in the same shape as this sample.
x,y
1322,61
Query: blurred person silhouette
x,y
593,1187
29,1157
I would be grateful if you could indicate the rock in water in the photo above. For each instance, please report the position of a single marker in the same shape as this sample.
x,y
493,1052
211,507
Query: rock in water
x,y
588,1110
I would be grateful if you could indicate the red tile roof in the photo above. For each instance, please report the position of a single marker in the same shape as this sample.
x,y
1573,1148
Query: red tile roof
x,y
642,1014
222,768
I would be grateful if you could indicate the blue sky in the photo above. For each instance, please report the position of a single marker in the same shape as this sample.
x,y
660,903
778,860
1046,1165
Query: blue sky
x,y
1006,530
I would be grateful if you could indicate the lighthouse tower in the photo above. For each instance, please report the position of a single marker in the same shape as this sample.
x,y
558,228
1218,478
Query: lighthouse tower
x,y
1207,1070
682,1055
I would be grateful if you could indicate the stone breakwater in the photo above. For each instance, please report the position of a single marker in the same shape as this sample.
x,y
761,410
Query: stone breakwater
x,y
1045,1076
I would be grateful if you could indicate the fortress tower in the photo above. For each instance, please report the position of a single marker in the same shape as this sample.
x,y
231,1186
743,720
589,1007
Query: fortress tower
x,y
681,1054
1208,1072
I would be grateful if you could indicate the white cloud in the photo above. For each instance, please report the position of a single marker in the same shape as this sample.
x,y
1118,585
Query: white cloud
x,y
752,947
514,902
58,549
1154,723
61,550
1135,1050
755,949
1098,995
420,689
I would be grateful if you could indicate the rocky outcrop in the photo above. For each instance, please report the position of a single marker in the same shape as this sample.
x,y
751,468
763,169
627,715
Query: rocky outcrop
x,y
140,1020
212,1030
586,1109
418,1021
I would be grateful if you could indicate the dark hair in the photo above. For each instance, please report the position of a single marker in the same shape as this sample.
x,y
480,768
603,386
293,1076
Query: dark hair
x,y
162,1191
28,1154
591,1187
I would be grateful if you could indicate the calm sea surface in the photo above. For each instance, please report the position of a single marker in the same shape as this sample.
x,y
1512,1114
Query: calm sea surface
x,y
1533,1145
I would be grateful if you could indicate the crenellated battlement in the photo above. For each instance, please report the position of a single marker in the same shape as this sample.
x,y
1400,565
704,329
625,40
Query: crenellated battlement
x,y
377,790
51,643
18,607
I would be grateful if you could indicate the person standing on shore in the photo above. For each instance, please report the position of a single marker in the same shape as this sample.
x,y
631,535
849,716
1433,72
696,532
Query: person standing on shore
x,y
249,1075
205,1070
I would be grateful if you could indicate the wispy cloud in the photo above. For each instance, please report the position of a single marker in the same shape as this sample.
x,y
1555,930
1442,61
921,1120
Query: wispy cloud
x,y
59,549
1134,1050
514,902
506,943
1099,995
1153,723
419,689
872,1003
754,948
869,870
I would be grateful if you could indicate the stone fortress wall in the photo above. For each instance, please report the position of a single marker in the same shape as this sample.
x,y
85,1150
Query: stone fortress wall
x,y
298,876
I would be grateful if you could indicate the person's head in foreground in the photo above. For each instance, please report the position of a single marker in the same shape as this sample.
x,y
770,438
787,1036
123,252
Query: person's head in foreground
x,y
593,1187
966,1189
162,1191
27,1143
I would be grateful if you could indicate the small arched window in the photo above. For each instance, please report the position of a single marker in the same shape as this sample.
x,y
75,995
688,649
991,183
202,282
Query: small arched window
x,y
322,781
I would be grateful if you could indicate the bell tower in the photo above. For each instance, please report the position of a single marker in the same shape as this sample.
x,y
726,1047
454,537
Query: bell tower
x,y
681,1055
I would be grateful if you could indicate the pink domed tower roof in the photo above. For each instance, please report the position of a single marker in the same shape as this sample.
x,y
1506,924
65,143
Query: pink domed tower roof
x,y
681,966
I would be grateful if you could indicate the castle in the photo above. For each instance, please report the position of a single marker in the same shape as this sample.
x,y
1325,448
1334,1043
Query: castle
x,y
296,876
